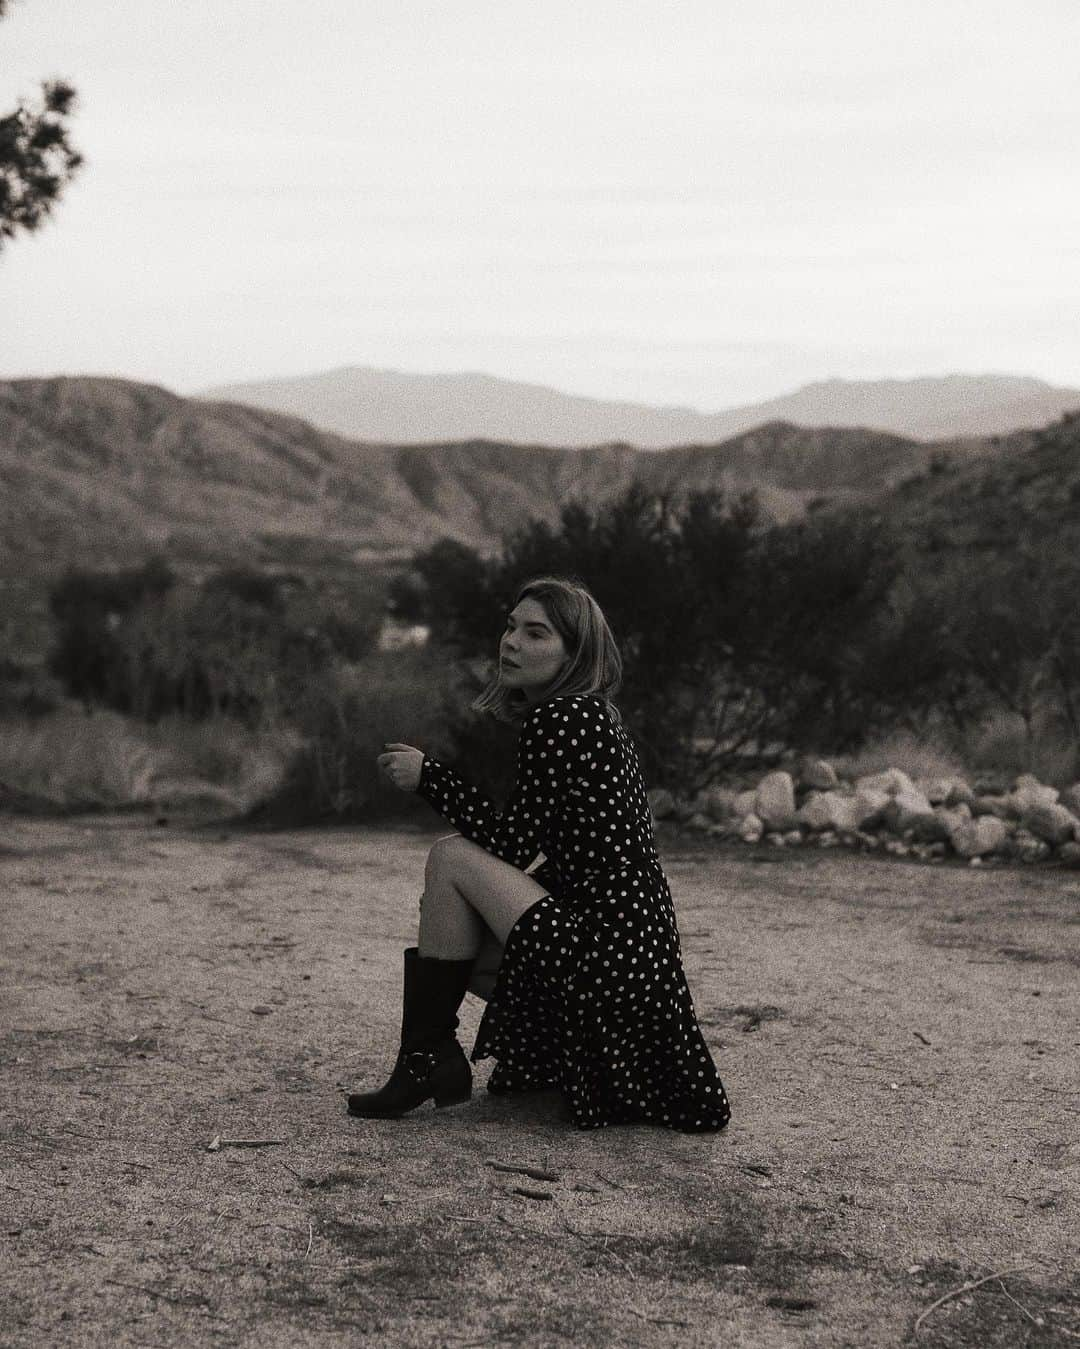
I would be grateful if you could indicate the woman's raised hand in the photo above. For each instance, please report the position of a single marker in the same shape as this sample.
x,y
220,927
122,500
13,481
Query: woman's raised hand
x,y
401,765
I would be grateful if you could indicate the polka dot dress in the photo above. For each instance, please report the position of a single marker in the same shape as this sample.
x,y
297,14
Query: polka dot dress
x,y
591,995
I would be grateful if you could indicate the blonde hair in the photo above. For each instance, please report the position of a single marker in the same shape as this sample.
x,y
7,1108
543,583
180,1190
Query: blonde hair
x,y
594,665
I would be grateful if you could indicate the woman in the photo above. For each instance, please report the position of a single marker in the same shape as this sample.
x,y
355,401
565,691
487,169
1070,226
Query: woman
x,y
589,994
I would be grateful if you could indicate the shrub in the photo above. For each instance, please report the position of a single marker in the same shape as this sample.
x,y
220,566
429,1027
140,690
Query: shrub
x,y
242,644
344,718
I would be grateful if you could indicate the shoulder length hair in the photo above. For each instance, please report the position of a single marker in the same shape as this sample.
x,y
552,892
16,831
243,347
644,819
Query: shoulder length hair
x,y
594,665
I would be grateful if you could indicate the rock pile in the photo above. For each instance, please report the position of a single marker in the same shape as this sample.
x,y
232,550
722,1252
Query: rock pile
x,y
930,818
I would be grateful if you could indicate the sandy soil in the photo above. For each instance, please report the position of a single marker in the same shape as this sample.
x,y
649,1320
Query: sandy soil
x,y
899,1042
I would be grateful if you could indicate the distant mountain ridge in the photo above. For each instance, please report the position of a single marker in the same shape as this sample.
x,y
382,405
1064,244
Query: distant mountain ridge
x,y
364,403
103,471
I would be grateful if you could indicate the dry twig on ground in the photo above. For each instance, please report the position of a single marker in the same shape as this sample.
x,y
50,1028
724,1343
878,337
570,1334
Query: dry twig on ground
x,y
968,1287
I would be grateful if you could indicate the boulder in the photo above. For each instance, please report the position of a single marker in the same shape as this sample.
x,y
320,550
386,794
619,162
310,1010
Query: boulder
x,y
818,775
979,837
935,827
661,803
960,794
1025,847
954,817
938,790
905,809
751,829
774,801
891,782
828,810
1069,853
1001,806
1070,798
743,804
716,802
1050,822
869,807
700,822
1028,791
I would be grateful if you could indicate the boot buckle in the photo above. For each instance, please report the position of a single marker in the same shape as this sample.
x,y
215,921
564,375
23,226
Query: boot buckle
x,y
419,1064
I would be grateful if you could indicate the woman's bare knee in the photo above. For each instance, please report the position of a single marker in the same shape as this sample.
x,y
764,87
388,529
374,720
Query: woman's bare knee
x,y
443,855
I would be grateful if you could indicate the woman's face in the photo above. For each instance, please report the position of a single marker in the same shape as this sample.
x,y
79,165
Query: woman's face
x,y
531,652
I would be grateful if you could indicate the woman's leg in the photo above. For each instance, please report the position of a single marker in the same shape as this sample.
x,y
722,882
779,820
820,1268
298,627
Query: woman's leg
x,y
486,969
466,891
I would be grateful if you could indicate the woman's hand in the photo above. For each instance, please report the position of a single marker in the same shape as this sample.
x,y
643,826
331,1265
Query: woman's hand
x,y
401,765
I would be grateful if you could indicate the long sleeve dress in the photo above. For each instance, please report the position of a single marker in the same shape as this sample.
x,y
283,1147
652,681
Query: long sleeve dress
x,y
590,996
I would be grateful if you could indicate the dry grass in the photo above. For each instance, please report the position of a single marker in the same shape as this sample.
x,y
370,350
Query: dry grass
x,y
998,748
82,761
1001,747
916,757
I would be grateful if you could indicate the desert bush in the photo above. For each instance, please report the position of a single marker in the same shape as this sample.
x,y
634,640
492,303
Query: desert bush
x,y
87,607
26,691
242,644
345,717
736,636
1003,746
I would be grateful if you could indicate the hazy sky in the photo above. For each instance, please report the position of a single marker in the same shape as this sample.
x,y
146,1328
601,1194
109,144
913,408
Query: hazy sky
x,y
699,203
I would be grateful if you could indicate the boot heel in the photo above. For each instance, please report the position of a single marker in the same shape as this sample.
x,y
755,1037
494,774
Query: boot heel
x,y
455,1096
451,1082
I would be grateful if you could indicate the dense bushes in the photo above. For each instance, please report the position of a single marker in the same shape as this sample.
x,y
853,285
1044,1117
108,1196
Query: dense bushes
x,y
345,717
242,644
744,637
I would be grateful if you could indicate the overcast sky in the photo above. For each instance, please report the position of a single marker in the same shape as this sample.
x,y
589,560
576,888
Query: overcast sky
x,y
686,203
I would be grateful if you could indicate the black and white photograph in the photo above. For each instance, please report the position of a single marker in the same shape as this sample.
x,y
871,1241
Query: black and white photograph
x,y
540,674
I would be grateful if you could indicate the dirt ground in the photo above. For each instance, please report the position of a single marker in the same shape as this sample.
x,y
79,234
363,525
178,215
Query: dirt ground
x,y
899,1042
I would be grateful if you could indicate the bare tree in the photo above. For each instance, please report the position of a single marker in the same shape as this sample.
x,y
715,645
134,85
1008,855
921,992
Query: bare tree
x,y
37,159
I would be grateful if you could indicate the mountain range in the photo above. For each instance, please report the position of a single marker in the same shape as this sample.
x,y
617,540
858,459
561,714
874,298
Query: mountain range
x,y
103,472
99,471
363,403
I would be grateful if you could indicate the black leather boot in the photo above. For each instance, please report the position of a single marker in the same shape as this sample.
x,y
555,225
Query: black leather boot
x,y
431,1065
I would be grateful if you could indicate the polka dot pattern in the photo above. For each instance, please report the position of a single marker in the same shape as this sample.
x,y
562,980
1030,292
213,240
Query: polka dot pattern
x,y
591,996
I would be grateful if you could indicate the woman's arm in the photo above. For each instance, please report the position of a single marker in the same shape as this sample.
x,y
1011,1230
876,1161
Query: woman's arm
x,y
515,834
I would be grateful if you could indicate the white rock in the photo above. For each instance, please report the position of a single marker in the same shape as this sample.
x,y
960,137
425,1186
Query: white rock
x,y
1001,806
818,774
979,837
870,803
751,829
905,809
942,791
891,782
743,804
774,801
828,810
1025,846
1052,823
1028,791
